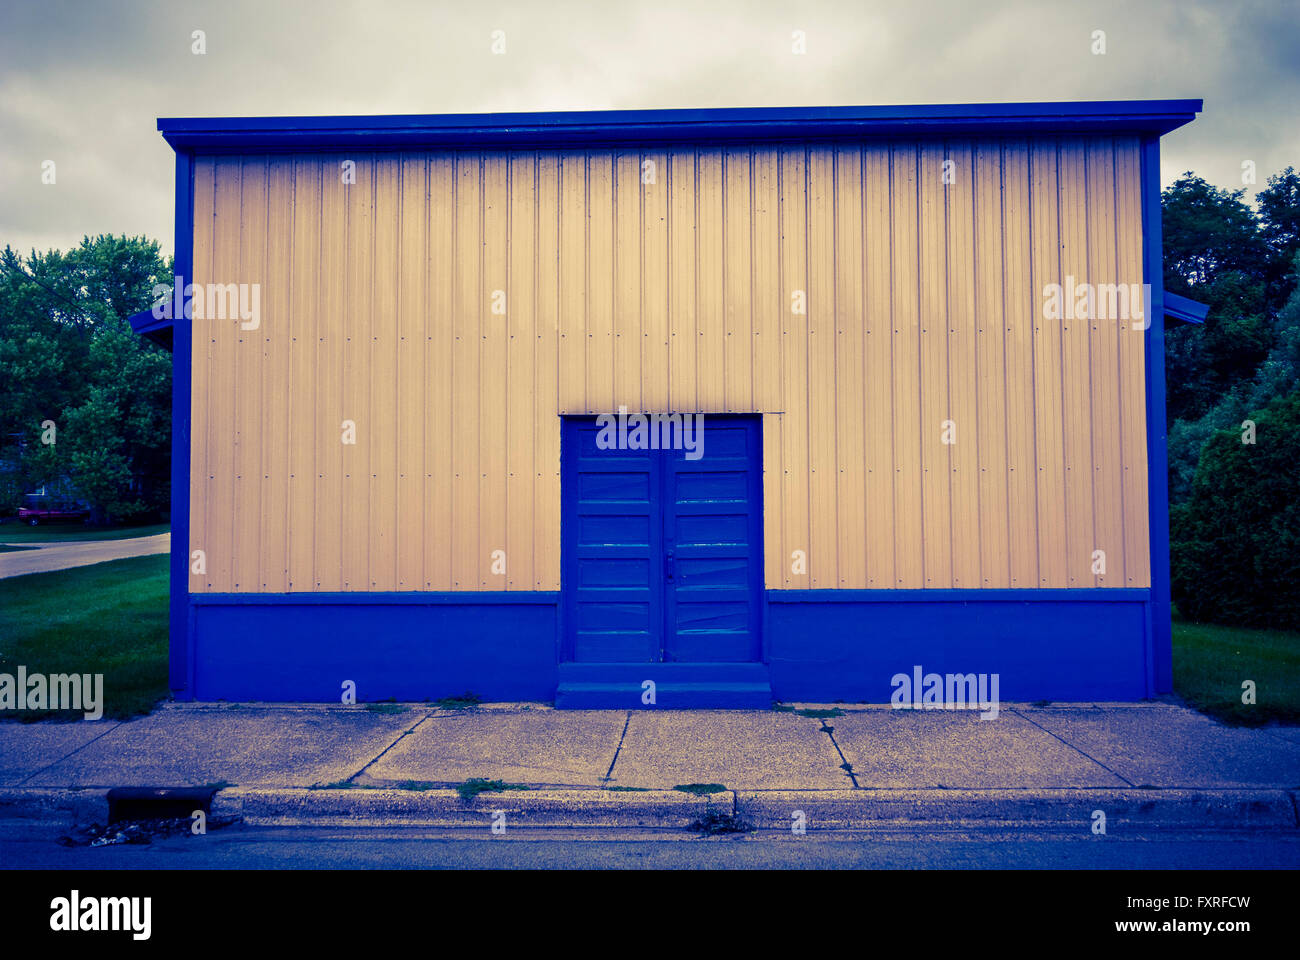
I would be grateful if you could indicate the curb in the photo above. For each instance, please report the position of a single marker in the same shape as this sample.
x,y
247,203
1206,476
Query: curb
x,y
1264,809
445,808
850,809
54,803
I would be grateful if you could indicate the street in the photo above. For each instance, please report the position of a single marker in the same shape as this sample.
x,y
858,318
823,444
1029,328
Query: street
x,y
25,844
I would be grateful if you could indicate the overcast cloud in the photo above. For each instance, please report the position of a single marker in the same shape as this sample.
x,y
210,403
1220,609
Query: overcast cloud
x,y
82,83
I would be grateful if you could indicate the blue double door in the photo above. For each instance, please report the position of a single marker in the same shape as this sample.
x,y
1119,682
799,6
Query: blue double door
x,y
662,553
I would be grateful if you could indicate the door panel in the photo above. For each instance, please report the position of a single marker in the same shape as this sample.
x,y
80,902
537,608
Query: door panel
x,y
612,547
713,531
662,555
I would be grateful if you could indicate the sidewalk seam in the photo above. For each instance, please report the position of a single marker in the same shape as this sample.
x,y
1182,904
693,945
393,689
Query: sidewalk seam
x,y
55,763
1114,773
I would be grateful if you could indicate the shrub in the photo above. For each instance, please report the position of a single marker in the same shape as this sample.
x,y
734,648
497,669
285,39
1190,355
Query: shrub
x,y
1235,543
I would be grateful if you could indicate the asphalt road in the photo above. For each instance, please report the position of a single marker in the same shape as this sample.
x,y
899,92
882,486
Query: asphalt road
x,y
34,846
64,554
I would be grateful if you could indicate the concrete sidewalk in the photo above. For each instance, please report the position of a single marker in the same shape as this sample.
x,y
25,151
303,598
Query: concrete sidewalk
x,y
1149,764
61,555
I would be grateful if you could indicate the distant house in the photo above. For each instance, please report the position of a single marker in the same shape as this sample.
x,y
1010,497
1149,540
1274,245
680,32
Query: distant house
x,y
926,343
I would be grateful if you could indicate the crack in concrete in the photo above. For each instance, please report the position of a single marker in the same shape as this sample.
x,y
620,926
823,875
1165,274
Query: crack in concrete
x,y
70,753
1083,753
845,766
380,755
609,774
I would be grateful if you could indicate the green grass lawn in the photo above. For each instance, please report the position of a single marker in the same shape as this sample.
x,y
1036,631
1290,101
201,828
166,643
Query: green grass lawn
x,y
108,618
1211,662
12,531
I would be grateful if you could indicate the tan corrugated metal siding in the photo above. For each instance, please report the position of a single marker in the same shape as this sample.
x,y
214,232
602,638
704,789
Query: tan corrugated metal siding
x,y
453,306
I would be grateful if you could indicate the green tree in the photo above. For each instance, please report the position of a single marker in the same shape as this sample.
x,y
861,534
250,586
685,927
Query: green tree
x,y
1279,219
1213,252
67,354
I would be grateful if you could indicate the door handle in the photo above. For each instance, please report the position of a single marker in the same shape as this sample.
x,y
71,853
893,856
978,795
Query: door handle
x,y
668,566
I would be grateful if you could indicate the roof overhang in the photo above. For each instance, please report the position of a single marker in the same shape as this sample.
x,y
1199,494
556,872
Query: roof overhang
x,y
1184,309
533,130
157,329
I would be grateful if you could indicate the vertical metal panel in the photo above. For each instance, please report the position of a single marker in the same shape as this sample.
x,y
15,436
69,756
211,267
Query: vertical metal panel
x,y
413,381
354,407
520,384
304,444
1132,363
381,432
879,422
202,446
681,281
546,496
738,279
439,357
847,293
494,376
823,537
599,332
248,383
1049,447
335,324
467,562
850,477
936,456
275,335
964,350
1103,352
218,501
906,370
654,283
710,324
1019,302
627,256
992,456
573,282
1076,367
793,500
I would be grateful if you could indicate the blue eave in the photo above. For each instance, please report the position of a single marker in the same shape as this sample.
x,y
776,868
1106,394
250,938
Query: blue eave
x,y
157,329
226,134
1184,309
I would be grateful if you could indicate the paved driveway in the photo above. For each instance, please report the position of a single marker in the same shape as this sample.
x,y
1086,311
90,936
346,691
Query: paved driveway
x,y
78,553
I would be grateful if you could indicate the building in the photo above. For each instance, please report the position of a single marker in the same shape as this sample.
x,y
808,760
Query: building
x,y
930,373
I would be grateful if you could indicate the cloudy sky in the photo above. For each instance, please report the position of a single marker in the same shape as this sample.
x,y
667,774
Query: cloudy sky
x,y
82,83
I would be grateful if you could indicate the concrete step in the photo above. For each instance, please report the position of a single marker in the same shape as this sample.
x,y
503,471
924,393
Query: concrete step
x,y
623,686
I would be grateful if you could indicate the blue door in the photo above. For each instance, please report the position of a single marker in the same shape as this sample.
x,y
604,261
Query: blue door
x,y
662,553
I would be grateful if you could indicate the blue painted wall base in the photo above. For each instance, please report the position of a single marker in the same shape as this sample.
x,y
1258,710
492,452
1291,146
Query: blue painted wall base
x,y
821,646
1069,645
294,647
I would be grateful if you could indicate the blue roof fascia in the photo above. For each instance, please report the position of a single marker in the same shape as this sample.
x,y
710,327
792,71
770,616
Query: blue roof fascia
x,y
218,134
158,329
1185,309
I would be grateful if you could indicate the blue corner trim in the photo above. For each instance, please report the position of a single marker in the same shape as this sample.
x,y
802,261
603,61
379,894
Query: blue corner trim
x,y
1160,635
180,627
524,130
1185,309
